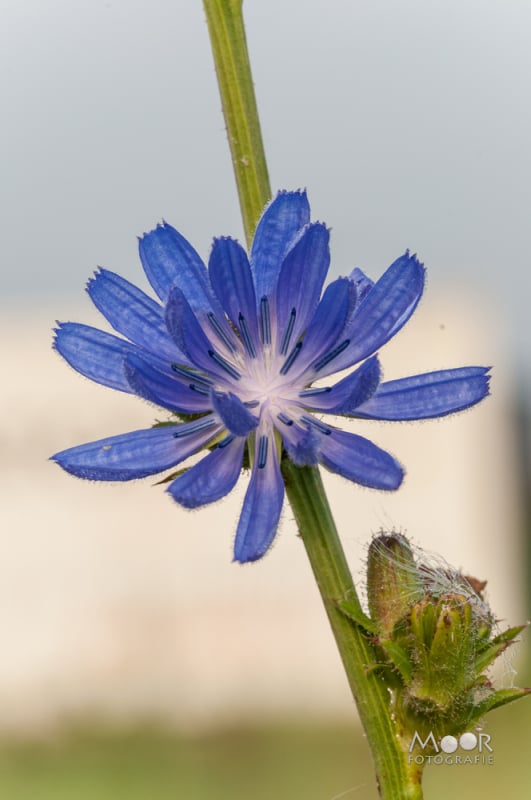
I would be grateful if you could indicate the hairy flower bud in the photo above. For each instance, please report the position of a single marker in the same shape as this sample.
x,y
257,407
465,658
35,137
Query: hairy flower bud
x,y
393,581
436,638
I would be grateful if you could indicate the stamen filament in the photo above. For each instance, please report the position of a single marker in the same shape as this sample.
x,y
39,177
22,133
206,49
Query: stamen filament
x,y
284,418
315,423
227,440
184,372
232,371
194,427
288,363
262,452
287,333
314,391
326,359
265,321
199,389
246,336
220,332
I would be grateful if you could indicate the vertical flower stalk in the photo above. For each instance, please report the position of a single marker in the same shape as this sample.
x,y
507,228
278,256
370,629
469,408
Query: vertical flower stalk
x,y
229,46
397,780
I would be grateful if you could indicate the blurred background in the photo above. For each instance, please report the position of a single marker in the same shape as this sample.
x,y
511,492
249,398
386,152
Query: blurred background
x,y
137,660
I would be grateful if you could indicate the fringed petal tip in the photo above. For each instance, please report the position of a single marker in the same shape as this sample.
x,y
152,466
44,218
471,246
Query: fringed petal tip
x,y
294,196
161,224
137,454
412,257
168,260
93,353
427,396
280,224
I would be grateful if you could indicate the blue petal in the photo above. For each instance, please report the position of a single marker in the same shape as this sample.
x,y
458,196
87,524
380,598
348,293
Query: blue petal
x,y
301,279
302,444
137,454
170,260
281,221
327,325
212,478
189,335
362,283
94,353
233,413
385,309
232,281
433,394
132,313
164,389
261,508
348,394
361,461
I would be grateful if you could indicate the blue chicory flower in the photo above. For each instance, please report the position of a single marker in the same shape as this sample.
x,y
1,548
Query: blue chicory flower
x,y
238,347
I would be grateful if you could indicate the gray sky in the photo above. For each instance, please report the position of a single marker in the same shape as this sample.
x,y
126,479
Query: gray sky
x,y
409,122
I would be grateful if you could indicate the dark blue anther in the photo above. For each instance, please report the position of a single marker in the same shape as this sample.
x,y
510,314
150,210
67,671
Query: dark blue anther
x,y
248,342
227,440
284,418
326,359
288,363
320,426
220,332
184,372
194,427
224,365
314,391
287,333
265,321
199,389
262,452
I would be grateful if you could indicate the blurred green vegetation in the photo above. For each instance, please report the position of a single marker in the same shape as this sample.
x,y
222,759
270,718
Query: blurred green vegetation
x,y
288,761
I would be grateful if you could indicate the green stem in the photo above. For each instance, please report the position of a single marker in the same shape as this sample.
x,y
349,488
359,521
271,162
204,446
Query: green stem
x,y
397,780
231,58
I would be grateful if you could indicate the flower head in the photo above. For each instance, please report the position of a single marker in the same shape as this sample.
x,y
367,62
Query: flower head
x,y
237,348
